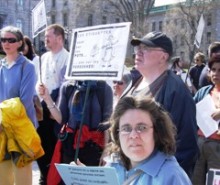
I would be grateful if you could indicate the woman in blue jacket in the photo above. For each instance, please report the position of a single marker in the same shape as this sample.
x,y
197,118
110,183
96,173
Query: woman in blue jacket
x,y
144,144
17,79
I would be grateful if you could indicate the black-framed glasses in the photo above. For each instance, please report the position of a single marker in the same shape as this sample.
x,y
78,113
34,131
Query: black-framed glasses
x,y
9,40
118,82
140,128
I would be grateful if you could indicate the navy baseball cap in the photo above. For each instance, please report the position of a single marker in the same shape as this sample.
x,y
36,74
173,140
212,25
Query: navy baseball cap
x,y
155,39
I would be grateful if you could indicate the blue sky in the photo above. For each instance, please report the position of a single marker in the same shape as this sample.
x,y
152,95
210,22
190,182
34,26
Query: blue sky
x,y
163,2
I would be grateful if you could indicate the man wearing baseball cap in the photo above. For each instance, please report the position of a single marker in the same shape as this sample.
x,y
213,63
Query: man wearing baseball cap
x,y
152,53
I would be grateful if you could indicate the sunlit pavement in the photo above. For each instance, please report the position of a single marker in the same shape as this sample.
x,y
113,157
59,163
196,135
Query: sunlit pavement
x,y
35,173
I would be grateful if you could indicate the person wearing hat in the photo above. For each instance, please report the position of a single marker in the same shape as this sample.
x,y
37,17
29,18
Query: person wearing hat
x,y
213,52
152,53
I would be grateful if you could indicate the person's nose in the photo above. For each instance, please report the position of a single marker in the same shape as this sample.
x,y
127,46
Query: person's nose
x,y
133,134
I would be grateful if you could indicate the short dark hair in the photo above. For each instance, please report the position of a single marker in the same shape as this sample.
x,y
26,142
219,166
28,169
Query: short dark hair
x,y
164,129
31,53
213,47
58,30
17,32
212,61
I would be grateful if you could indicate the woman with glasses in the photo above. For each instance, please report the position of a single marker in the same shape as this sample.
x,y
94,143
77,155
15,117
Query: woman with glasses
x,y
152,54
120,86
17,79
143,144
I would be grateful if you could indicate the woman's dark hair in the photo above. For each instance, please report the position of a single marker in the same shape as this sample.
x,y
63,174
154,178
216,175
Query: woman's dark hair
x,y
175,63
30,53
15,31
164,129
213,60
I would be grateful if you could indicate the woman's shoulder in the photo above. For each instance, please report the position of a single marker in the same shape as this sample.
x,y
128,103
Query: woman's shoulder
x,y
171,171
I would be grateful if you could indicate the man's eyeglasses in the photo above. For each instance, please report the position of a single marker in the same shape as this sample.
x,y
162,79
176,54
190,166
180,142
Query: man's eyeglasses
x,y
9,40
141,128
143,49
118,82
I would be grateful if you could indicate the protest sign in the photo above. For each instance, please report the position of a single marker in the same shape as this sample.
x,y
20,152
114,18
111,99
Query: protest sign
x,y
87,175
98,52
213,177
39,18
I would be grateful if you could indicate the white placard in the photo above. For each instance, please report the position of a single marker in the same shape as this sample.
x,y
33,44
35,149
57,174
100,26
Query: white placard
x,y
87,175
204,110
39,18
213,177
98,52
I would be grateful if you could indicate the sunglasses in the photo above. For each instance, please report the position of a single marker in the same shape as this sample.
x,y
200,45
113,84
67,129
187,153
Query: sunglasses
x,y
9,40
118,82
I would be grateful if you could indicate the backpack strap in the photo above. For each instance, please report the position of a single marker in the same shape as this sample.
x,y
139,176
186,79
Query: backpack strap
x,y
136,174
22,68
99,91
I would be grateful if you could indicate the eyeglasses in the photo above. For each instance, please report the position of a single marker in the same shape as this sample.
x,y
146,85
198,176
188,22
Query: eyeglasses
x,y
118,82
145,49
141,128
9,40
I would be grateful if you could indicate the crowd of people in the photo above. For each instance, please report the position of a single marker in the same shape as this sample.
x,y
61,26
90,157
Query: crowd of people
x,y
144,125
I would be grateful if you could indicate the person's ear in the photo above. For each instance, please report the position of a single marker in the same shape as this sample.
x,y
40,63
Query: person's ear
x,y
165,56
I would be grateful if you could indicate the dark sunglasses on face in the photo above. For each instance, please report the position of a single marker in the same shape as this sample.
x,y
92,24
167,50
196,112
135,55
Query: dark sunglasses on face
x,y
9,40
118,82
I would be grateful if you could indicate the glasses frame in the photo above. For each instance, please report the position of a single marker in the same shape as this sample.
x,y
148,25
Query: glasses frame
x,y
141,128
9,40
118,82
145,49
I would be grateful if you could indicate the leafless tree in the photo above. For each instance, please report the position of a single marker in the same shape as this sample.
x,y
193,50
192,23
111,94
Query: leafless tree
x,y
186,17
135,11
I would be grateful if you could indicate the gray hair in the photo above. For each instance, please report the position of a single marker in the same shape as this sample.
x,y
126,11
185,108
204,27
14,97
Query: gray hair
x,y
16,32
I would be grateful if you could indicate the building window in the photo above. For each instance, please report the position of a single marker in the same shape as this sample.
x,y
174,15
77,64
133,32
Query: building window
x,y
65,3
153,26
160,25
175,22
1,22
65,19
20,3
117,20
208,35
90,20
182,24
192,24
53,3
53,19
182,41
175,42
209,19
19,24
104,20
182,55
192,37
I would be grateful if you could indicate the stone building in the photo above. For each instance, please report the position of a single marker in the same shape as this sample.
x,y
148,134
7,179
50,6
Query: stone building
x,y
17,13
81,13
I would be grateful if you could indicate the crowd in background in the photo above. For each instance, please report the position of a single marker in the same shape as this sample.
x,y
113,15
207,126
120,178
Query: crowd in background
x,y
144,125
